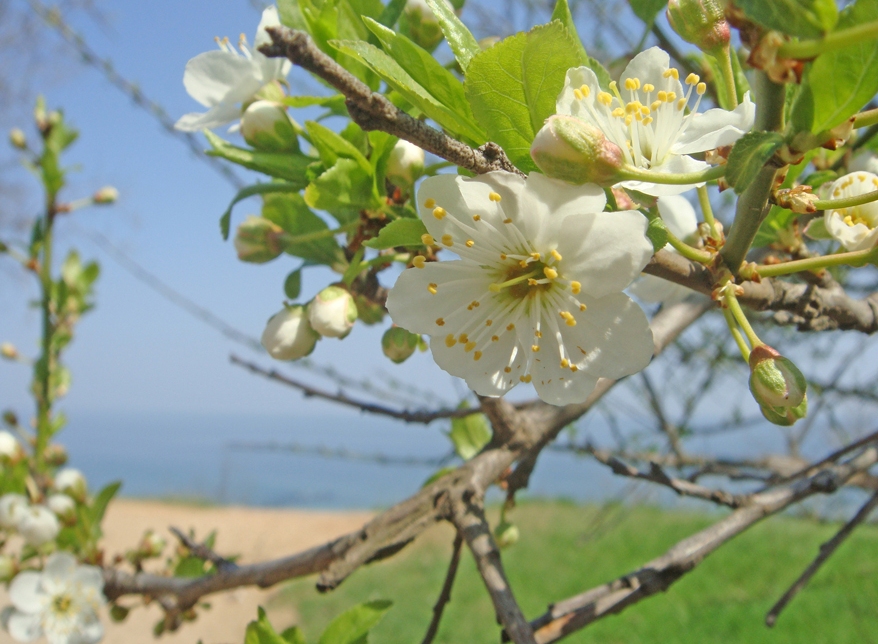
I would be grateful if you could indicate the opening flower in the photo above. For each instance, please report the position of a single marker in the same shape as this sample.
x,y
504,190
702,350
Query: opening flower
x,y
536,294
60,603
645,114
225,80
855,227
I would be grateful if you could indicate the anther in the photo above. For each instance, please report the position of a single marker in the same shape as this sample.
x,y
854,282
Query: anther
x,y
510,327
429,203
565,363
418,261
432,288
535,348
681,104
477,355
550,272
649,87
495,338
494,196
556,255
439,212
672,72
463,338
575,287
507,221
450,341
577,95
655,105
427,239
477,217
507,369
440,322
489,322
701,88
692,79
447,240
618,112
582,307
469,346
470,243
606,98
585,89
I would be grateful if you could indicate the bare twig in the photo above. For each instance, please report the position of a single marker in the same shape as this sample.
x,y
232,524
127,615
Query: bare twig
x,y
343,399
373,111
658,409
826,551
340,453
202,551
445,594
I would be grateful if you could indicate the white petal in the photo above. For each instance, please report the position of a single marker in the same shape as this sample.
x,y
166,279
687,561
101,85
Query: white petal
x,y
269,19
679,215
716,127
567,103
89,579
413,307
486,376
605,251
652,289
24,627
221,77
649,67
675,164
214,117
60,567
90,632
25,592
555,385
856,237
549,201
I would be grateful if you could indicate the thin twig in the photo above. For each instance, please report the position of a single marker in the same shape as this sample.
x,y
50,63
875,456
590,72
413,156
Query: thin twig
x,y
373,111
826,551
445,594
202,551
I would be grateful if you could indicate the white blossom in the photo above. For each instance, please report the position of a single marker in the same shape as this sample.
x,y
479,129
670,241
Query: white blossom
x,y
855,227
9,446
536,295
865,161
225,80
60,603
288,334
679,216
38,525
406,164
12,508
62,505
645,115
72,481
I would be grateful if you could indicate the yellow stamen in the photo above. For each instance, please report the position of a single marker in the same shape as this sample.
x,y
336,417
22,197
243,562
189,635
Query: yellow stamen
x,y
495,338
655,105
477,217
489,322
648,88
672,72
538,333
427,239
447,240
510,327
507,369
535,348
550,272
577,95
632,83
568,318
681,104
477,355
507,221
606,98
701,88
440,322
692,79
463,338
432,288
556,255
536,256
575,287
585,89
672,96
439,212
662,96
470,243
574,368
618,112
469,346
565,363
418,261
526,378
429,203
494,196
450,341
502,255
647,120
582,307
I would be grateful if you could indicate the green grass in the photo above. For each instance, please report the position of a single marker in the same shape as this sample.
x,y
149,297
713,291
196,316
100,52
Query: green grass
x,y
565,549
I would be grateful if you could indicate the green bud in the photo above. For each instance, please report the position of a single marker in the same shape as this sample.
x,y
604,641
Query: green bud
x,y
266,126
106,195
332,312
775,381
10,418
258,240
17,138
405,165
700,22
369,312
55,455
7,568
398,344
419,23
118,613
574,151
288,334
785,416
506,534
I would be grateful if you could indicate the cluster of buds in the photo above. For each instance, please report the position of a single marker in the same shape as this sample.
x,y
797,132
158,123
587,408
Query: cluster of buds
x,y
566,148
778,386
701,23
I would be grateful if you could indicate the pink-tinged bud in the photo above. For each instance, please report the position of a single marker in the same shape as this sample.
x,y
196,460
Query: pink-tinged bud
x,y
775,381
266,126
398,344
8,351
106,195
405,165
17,138
573,151
288,334
700,22
333,312
258,240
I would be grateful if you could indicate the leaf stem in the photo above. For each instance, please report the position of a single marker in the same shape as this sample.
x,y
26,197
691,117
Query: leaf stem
x,y
631,173
853,258
840,39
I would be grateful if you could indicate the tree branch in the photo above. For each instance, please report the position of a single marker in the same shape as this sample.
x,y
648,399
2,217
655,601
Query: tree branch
x,y
445,594
373,111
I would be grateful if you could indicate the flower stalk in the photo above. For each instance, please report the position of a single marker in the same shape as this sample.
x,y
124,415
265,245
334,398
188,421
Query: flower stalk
x,y
805,49
724,58
730,299
854,258
631,173
707,211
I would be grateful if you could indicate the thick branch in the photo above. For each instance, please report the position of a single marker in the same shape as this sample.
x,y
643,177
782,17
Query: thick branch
x,y
373,111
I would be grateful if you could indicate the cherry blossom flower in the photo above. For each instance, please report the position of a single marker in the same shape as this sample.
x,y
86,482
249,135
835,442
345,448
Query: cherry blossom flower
x,y
226,80
645,115
60,603
536,295
855,227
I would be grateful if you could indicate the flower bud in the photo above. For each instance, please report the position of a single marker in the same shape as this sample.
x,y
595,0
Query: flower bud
x,y
574,151
332,312
7,568
8,351
258,240
9,447
10,418
55,455
785,416
405,165
266,126
288,334
17,138
506,534
700,22
12,508
106,195
63,506
72,482
38,525
398,344
151,545
774,380
419,23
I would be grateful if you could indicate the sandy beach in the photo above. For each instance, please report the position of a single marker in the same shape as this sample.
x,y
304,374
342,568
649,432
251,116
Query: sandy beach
x,y
254,534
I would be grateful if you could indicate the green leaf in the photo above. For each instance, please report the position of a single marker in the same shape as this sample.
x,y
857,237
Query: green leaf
x,y
460,39
657,233
470,434
293,284
290,15
803,18
562,14
283,165
249,191
331,146
352,626
102,500
392,12
399,79
513,86
401,232
749,155
838,83
336,19
293,635
261,631
647,10
343,190
290,212
334,102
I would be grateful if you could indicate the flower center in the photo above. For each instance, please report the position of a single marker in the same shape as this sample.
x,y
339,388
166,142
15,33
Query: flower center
x,y
857,183
62,604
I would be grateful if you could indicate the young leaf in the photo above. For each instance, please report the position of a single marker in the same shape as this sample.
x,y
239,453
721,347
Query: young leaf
x,y
352,626
293,635
343,191
803,18
401,232
290,212
838,83
513,86
261,631
647,10
293,284
283,165
469,435
460,39
249,191
330,146
102,500
749,154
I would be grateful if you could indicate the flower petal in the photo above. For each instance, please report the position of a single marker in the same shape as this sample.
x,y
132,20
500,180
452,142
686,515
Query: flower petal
x,y
546,202
486,376
269,18
25,627
856,237
25,592
214,117
221,77
88,579
716,127
649,67
652,289
605,251
679,215
568,104
674,164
